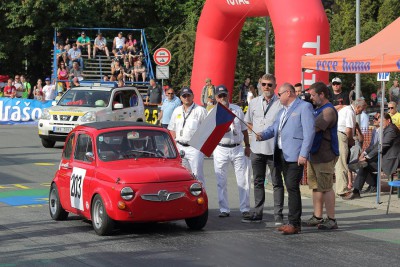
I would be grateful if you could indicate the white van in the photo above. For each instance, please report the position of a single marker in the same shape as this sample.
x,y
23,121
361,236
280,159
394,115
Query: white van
x,y
88,104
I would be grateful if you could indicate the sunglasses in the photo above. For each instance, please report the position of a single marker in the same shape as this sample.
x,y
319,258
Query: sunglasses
x,y
222,95
279,94
335,83
170,93
186,95
388,107
269,84
375,118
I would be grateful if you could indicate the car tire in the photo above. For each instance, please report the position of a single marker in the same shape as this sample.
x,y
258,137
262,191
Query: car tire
x,y
48,143
102,223
197,223
57,212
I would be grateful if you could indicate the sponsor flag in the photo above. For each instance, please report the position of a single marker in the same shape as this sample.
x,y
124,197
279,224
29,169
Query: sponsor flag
x,y
212,129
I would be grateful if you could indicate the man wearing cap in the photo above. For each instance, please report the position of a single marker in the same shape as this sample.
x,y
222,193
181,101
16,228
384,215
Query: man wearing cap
x,y
230,150
261,113
207,94
183,124
100,43
49,91
339,98
84,42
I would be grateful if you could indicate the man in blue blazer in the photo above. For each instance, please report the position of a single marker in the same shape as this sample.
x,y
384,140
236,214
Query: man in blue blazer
x,y
293,131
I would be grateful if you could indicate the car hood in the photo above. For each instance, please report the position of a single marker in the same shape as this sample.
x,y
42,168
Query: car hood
x,y
72,110
140,172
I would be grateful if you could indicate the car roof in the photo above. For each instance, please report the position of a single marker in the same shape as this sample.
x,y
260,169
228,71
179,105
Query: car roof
x,y
112,124
100,88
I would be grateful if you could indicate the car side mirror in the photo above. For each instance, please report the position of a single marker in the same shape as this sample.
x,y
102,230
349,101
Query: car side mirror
x,y
89,156
182,153
118,106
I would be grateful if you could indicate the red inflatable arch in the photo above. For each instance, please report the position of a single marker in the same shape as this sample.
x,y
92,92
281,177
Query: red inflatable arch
x,y
301,27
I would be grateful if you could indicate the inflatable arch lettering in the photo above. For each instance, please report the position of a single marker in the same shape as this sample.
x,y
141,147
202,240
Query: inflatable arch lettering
x,y
301,27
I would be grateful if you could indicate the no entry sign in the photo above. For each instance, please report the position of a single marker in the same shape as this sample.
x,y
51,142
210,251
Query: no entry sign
x,y
162,56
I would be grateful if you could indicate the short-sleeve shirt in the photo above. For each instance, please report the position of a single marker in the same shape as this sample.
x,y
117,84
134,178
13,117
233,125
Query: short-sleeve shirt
x,y
340,99
394,92
346,119
396,119
234,135
10,89
119,42
255,115
100,41
195,115
74,53
83,40
154,94
168,108
325,121
49,92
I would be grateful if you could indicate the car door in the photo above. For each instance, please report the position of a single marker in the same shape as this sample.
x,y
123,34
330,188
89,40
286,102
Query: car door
x,y
65,171
83,171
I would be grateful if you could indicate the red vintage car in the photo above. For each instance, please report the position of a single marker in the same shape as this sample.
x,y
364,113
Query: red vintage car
x,y
125,171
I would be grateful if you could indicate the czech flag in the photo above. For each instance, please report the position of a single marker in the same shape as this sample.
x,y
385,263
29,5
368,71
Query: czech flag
x,y
212,129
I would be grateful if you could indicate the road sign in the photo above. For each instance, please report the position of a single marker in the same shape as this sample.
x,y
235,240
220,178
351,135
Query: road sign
x,y
162,72
162,56
383,76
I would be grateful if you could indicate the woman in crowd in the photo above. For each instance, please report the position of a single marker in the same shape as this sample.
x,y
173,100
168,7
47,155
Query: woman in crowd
x,y
37,90
252,93
117,72
63,74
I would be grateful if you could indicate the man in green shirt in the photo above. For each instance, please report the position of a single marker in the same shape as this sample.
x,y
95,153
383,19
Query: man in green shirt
x,y
83,42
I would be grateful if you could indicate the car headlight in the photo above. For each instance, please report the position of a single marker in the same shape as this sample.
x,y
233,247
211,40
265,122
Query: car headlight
x,y
45,115
89,117
196,189
127,193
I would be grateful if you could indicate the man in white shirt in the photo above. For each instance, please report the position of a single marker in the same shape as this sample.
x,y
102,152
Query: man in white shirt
x,y
230,150
183,124
346,131
49,91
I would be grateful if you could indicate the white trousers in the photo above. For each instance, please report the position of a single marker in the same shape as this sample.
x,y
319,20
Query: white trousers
x,y
222,157
194,159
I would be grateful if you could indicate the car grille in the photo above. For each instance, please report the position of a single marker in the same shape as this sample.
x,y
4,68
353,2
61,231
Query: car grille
x,y
65,118
162,196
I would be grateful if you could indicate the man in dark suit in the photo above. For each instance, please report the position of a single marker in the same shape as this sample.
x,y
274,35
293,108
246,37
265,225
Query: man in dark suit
x,y
293,132
390,156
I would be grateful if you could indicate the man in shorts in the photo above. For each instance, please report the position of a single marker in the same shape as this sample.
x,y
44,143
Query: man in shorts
x,y
323,156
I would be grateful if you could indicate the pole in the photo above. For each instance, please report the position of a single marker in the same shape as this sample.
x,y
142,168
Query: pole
x,y
358,80
378,183
267,45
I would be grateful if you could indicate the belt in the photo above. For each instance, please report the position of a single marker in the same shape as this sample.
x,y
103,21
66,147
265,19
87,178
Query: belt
x,y
342,133
182,144
228,145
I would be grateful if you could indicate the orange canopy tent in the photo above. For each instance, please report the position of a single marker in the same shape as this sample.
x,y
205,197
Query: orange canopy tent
x,y
380,53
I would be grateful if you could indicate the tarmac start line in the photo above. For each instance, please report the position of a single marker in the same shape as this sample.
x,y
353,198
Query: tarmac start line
x,y
23,196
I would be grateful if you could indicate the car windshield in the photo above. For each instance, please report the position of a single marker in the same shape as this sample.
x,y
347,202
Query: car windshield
x,y
134,144
85,98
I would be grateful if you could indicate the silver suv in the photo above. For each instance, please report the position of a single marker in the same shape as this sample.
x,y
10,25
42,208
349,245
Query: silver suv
x,y
88,104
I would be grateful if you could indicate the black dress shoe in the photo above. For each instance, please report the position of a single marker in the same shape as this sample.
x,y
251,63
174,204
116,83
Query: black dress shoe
x,y
352,195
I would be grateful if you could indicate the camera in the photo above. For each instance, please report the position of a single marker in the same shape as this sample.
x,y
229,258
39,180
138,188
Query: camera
x,y
305,96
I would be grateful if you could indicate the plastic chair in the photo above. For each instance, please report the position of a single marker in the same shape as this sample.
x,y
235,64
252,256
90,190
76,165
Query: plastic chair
x,y
392,184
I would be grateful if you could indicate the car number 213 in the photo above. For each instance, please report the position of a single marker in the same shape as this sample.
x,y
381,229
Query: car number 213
x,y
76,188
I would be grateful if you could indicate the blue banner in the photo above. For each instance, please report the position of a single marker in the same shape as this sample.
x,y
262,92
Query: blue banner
x,y
21,110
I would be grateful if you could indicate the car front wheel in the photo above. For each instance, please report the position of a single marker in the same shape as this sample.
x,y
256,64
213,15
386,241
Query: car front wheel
x,y
56,210
48,143
197,223
102,223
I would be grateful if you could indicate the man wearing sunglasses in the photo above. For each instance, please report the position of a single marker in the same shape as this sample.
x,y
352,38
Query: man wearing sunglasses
x,y
392,106
230,150
390,156
261,113
394,91
183,124
168,106
293,133
339,98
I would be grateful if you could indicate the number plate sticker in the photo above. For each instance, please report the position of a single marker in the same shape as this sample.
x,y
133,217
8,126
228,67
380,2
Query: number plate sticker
x,y
76,188
62,129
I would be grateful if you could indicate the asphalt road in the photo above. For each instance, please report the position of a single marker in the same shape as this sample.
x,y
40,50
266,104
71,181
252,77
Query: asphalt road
x,y
28,236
